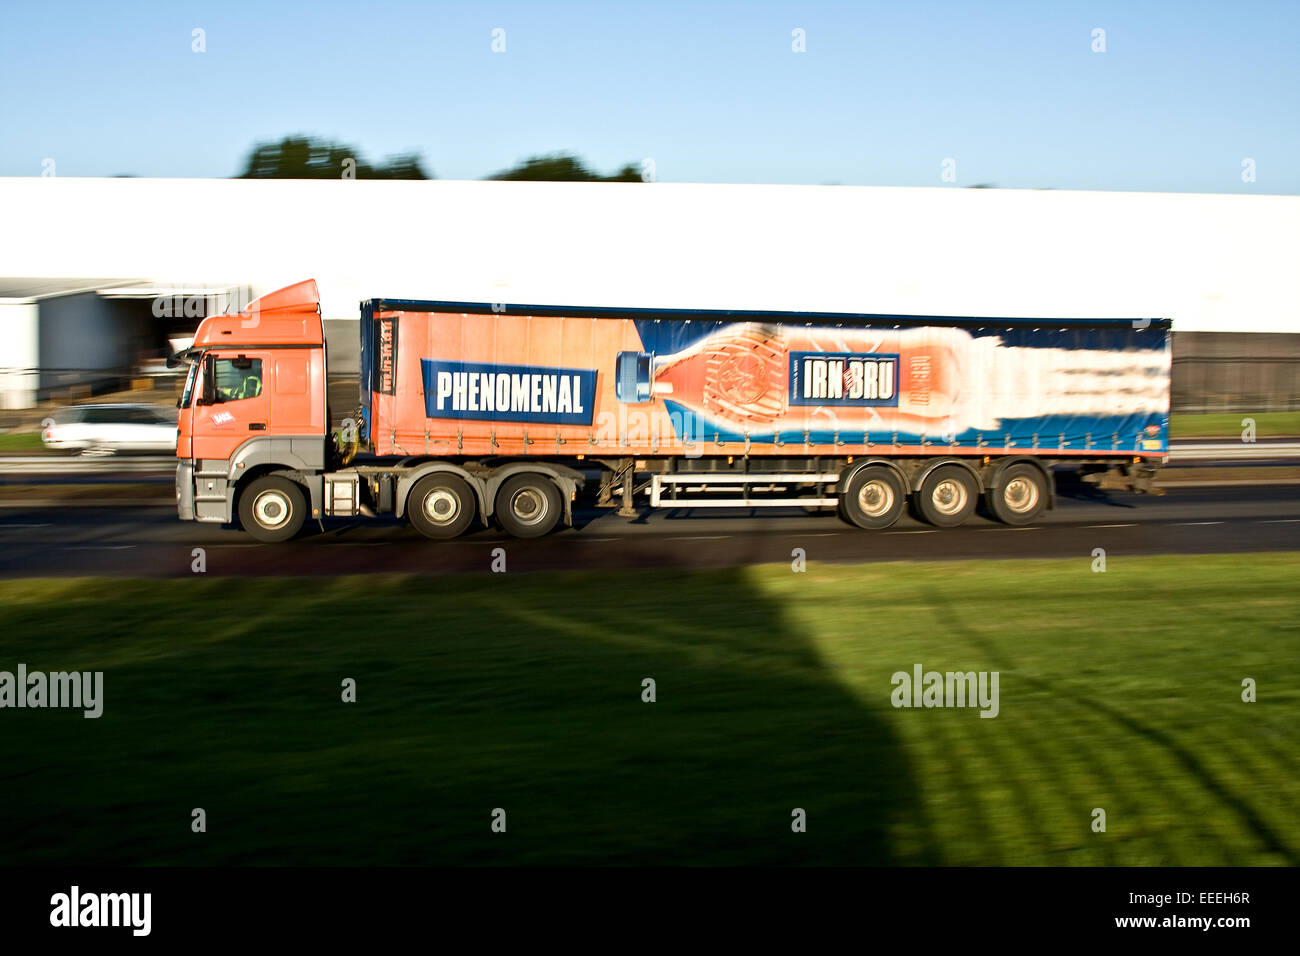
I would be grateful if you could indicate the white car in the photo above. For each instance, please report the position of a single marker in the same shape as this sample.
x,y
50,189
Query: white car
x,y
107,429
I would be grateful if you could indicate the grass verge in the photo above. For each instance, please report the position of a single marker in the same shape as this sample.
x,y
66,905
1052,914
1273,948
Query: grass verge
x,y
1267,425
1118,690
14,442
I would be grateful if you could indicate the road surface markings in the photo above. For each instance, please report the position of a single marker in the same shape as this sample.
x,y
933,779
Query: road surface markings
x,y
98,547
1195,524
1279,521
699,537
1087,526
912,532
581,538
1007,529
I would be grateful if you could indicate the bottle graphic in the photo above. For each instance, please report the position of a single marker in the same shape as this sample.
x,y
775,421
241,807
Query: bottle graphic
x,y
925,381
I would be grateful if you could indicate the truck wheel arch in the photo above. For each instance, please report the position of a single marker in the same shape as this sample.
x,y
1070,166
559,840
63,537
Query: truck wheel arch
x,y
566,479
847,474
918,477
407,481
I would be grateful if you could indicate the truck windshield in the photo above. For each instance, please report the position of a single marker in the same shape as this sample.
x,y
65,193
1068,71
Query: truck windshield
x,y
189,385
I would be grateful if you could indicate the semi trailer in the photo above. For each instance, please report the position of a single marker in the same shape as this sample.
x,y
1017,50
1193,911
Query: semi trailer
x,y
504,413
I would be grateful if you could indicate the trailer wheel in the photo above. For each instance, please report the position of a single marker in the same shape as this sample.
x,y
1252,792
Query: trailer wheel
x,y
947,497
1020,496
874,498
272,509
441,506
528,506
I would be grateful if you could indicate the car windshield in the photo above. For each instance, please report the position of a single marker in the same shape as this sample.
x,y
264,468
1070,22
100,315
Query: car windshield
x,y
104,415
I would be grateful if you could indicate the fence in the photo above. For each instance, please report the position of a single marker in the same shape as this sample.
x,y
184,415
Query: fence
x,y
1236,372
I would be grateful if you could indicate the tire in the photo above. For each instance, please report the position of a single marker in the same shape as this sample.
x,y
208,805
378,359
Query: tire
x,y
272,509
874,498
441,506
948,496
528,506
1019,496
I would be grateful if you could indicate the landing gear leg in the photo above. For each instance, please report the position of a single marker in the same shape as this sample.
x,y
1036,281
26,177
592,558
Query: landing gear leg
x,y
629,473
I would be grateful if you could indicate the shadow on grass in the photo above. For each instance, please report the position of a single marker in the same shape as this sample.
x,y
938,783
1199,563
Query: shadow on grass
x,y
473,693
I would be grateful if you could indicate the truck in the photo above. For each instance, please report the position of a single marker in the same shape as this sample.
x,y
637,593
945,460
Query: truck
x,y
503,414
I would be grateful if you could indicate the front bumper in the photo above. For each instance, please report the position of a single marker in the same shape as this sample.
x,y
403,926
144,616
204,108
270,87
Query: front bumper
x,y
185,490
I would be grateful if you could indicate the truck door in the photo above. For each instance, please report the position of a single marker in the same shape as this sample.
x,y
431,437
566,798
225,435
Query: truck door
x,y
232,402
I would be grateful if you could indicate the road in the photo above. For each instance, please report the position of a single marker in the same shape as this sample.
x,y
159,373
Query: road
x,y
148,540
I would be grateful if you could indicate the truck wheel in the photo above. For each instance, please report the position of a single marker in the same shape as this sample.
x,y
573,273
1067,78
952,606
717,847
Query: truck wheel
x,y
528,506
947,496
1020,496
272,509
441,506
875,498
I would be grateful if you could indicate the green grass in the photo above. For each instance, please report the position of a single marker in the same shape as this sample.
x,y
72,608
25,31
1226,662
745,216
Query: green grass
x,y
21,441
1118,690
1267,425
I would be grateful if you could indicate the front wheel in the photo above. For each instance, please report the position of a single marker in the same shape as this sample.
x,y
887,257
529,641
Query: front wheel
x,y
272,509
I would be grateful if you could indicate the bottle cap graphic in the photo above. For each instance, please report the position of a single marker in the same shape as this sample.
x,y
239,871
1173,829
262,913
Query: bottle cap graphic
x,y
632,377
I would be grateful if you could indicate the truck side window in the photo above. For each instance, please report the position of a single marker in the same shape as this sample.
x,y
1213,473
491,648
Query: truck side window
x,y
234,383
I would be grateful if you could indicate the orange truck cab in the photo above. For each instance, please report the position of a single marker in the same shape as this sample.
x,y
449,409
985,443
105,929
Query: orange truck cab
x,y
253,413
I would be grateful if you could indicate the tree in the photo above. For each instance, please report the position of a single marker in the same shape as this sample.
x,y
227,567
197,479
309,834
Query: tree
x,y
302,157
564,168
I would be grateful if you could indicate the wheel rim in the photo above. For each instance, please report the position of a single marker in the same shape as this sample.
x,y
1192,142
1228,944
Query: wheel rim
x,y
949,497
272,509
1020,495
529,506
441,506
875,498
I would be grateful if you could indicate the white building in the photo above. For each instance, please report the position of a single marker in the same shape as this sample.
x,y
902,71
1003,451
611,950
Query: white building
x,y
84,261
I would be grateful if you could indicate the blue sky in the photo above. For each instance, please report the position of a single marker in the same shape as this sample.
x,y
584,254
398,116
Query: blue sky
x,y
712,92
